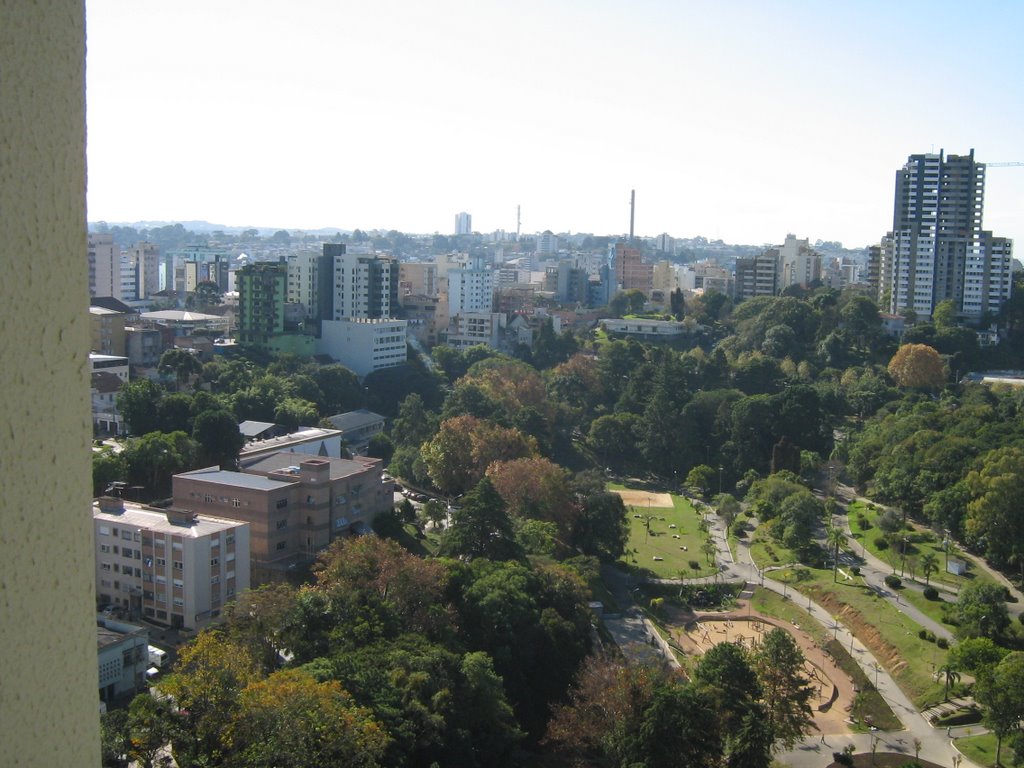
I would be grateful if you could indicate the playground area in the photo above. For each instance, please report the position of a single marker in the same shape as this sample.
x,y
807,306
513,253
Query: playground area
x,y
833,690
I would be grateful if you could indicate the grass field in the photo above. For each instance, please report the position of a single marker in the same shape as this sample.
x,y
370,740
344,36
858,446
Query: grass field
x,y
920,541
888,632
982,750
673,536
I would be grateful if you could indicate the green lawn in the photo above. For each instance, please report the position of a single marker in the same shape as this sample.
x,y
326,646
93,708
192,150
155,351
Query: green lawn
x,y
645,545
982,750
920,541
890,633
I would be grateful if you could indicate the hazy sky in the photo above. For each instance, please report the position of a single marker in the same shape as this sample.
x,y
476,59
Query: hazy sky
x,y
738,120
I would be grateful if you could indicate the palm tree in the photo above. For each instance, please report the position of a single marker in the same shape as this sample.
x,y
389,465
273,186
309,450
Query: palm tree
x,y
929,565
835,538
950,677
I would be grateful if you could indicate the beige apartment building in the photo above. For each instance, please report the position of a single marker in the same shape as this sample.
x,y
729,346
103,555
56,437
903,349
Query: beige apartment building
x,y
169,566
294,504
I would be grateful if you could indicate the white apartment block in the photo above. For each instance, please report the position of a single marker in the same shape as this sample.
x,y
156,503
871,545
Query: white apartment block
x,y
364,345
169,566
470,289
799,264
472,328
104,266
303,269
364,286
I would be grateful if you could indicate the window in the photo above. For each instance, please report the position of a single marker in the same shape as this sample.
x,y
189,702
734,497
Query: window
x,y
104,566
214,562
282,503
236,503
282,524
117,550
230,557
105,548
214,543
161,597
179,602
162,580
178,566
215,579
229,539
104,530
282,545
126,535
179,584
161,562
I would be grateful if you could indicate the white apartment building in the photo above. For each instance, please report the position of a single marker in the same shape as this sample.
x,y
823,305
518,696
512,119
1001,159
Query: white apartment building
x,y
170,566
472,328
303,272
937,249
363,287
104,265
364,345
470,288
463,223
799,264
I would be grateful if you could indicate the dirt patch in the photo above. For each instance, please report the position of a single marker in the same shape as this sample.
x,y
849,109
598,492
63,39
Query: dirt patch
x,y
694,633
645,498
865,630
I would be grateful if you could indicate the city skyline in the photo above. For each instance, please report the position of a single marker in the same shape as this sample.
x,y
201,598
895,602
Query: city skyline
x,y
737,122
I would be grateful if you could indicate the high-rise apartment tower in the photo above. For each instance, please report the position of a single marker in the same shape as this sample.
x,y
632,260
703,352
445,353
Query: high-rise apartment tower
x,y
937,249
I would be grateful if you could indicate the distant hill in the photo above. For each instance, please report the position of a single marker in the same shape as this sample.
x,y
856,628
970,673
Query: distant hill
x,y
206,227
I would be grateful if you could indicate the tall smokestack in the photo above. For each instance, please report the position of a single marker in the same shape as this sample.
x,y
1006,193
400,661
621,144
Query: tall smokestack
x,y
632,211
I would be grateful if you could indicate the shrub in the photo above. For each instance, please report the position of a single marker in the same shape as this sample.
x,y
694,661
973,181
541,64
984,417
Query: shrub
x,y
931,593
923,634
694,565
942,642
881,542
863,523
855,570
893,581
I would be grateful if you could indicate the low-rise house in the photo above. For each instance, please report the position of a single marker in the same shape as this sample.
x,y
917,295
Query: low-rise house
x,y
123,659
358,428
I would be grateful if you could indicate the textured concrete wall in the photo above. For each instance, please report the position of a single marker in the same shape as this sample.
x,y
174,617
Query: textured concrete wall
x,y
48,673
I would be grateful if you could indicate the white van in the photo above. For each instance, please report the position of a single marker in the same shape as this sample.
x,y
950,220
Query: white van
x,y
156,656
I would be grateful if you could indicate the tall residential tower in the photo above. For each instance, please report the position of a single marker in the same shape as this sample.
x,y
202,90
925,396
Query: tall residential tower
x,y
937,249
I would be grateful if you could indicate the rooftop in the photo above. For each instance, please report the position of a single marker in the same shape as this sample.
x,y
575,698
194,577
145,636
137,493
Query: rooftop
x,y
281,460
152,519
302,435
355,419
236,479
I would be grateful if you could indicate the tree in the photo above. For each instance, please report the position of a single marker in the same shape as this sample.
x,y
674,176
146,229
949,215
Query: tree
x,y
293,412
780,668
206,684
341,389
138,403
944,314
701,479
107,467
709,549
261,620
995,517
174,413
917,366
154,458
292,720
676,304
481,527
614,438
115,739
601,528
975,654
727,672
534,488
929,565
181,364
207,294
950,677
836,539
1001,692
149,729
981,611
219,439
465,446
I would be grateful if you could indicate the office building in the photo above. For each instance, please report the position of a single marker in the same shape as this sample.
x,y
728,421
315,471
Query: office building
x,y
937,249
104,265
364,345
631,271
294,505
463,224
170,566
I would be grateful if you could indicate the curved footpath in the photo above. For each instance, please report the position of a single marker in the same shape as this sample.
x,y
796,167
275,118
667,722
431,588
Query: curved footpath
x,y
634,637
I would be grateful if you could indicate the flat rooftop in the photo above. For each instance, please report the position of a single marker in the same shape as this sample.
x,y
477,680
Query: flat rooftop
x,y
237,479
155,520
280,460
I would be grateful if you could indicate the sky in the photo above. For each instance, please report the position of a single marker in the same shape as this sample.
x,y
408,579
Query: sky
x,y
736,120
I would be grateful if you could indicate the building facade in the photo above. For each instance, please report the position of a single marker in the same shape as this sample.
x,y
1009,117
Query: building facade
x,y
293,505
937,249
364,345
170,566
